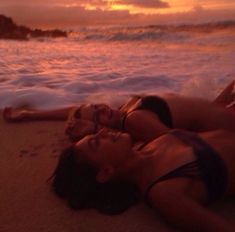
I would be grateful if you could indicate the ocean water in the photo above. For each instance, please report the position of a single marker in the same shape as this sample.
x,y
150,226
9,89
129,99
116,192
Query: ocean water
x,y
109,64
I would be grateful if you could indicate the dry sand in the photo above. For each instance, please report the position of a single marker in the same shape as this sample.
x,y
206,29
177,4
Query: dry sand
x,y
28,156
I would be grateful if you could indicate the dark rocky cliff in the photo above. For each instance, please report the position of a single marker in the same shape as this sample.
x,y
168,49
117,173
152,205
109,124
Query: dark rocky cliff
x,y
10,30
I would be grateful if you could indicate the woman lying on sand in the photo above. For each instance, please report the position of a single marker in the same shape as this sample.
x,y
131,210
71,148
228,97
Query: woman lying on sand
x,y
160,113
178,174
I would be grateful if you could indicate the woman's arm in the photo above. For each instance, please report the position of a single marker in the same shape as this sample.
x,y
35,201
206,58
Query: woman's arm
x,y
185,213
16,115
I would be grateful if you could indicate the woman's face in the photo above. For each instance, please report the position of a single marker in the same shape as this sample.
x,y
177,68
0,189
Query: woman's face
x,y
105,148
99,113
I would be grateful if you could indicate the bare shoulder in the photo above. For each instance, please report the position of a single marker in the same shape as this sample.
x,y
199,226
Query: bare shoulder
x,y
136,125
130,103
138,119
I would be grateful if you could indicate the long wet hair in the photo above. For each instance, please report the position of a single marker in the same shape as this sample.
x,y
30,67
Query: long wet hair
x,y
75,181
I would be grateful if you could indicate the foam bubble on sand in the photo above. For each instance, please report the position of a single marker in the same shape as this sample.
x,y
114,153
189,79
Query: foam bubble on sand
x,y
200,87
34,98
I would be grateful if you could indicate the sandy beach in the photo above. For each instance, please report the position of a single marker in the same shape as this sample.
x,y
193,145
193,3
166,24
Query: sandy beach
x,y
28,156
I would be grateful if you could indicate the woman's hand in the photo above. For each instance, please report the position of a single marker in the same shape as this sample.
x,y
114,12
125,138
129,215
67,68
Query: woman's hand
x,y
15,115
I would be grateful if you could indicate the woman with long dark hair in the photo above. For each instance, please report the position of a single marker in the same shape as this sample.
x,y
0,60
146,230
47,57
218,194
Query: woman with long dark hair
x,y
179,174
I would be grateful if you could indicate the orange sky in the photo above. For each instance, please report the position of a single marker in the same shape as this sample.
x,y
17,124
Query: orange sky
x,y
69,13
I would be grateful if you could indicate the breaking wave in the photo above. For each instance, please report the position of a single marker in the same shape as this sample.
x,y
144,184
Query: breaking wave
x,y
167,33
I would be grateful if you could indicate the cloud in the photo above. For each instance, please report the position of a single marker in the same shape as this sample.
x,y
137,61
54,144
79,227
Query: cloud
x,y
198,8
51,16
190,17
58,16
145,3
97,3
54,2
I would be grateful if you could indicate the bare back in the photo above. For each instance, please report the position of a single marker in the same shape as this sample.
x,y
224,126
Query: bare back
x,y
198,114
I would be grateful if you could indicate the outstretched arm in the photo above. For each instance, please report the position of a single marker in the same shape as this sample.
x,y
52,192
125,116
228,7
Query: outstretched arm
x,y
186,214
16,115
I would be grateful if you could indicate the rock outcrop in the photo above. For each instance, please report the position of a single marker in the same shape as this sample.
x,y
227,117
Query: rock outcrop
x,y
10,30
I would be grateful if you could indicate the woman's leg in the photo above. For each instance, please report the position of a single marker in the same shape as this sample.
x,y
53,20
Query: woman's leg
x,y
227,96
231,108
16,115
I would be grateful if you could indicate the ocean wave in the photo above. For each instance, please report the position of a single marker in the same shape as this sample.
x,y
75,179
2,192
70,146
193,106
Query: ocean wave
x,y
167,33
58,73
205,27
130,35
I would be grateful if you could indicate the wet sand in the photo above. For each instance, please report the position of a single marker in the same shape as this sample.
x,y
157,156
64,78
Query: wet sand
x,y
28,156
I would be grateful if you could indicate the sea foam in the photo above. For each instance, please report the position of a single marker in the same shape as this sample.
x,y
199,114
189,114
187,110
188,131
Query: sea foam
x,y
112,63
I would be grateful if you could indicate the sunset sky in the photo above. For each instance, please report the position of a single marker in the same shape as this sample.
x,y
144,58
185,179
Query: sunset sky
x,y
70,13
